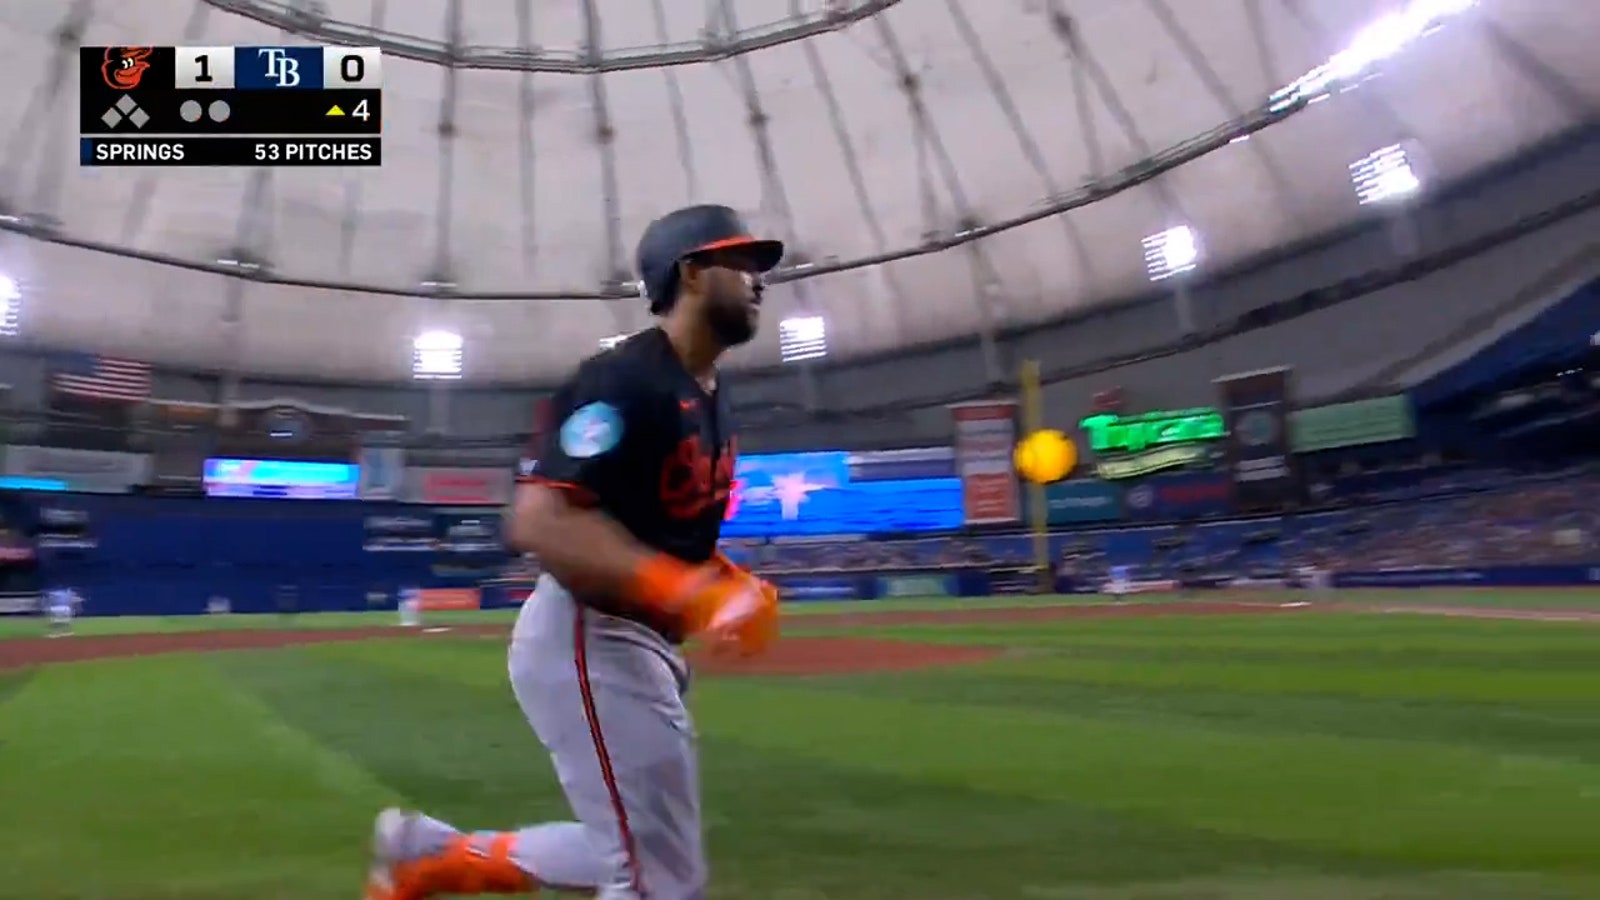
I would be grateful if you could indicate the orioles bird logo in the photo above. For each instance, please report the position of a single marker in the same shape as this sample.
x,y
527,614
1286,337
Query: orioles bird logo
x,y
124,66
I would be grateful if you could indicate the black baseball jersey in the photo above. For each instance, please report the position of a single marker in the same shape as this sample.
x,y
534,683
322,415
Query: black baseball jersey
x,y
634,434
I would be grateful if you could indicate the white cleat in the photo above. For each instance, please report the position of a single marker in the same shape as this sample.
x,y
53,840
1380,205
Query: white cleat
x,y
388,846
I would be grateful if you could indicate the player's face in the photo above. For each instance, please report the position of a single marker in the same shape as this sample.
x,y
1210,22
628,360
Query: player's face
x,y
730,287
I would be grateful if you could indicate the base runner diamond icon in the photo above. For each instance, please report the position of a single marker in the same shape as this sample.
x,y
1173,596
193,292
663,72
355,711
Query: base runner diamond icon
x,y
126,109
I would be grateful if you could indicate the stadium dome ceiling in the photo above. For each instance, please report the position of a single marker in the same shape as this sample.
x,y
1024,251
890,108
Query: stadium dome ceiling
x,y
521,165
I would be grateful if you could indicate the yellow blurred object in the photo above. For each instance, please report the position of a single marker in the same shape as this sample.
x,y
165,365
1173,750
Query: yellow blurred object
x,y
1045,456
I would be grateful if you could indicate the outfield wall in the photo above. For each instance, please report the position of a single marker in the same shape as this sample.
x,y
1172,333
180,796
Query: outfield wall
x,y
161,592
981,583
1494,576
138,556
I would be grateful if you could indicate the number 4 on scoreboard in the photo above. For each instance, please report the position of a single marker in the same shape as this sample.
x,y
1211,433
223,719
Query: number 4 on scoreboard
x,y
359,112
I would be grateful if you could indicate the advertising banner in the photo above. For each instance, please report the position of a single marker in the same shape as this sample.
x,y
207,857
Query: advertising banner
x,y
84,471
1134,445
1375,421
62,527
468,532
383,473
1082,500
1256,408
459,487
823,588
434,599
1496,576
1185,495
1012,581
399,534
985,438
916,586
19,604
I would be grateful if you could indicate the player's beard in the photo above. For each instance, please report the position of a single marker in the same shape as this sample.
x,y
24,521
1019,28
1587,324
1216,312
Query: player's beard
x,y
730,321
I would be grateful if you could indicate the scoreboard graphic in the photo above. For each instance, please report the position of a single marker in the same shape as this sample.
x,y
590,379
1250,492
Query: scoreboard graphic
x,y
230,106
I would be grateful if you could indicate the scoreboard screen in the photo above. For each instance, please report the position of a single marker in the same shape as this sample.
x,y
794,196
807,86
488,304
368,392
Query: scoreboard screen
x,y
282,479
230,106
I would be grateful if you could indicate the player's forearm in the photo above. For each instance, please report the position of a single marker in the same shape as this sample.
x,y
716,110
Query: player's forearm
x,y
585,550
591,554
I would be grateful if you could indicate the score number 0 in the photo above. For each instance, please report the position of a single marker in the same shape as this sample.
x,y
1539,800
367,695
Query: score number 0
x,y
353,70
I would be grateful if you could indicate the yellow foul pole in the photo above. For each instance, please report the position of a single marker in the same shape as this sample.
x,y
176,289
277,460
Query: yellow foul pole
x,y
1038,511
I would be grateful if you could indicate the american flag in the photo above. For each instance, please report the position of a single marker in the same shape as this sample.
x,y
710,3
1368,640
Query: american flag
x,y
106,377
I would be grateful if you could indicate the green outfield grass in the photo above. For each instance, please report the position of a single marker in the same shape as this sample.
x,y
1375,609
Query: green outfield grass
x,y
1292,757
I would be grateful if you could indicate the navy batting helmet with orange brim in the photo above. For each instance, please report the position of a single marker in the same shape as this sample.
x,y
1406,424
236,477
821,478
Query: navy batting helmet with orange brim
x,y
683,233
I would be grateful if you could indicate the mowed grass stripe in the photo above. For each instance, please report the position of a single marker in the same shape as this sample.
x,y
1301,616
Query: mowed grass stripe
x,y
780,819
1374,678
462,750
1285,886
429,736
476,661
1564,732
154,778
1404,802
1310,628
13,681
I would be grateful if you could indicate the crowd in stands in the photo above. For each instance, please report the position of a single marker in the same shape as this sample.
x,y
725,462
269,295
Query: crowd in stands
x,y
1554,522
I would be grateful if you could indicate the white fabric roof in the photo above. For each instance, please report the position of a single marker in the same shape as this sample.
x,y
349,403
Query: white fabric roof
x,y
525,196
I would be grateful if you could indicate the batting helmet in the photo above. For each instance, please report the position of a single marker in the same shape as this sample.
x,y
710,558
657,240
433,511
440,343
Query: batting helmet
x,y
682,233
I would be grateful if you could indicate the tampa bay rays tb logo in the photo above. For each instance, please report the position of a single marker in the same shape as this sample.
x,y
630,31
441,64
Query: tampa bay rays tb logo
x,y
281,67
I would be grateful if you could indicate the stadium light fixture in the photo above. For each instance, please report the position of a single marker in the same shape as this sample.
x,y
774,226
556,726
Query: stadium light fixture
x,y
1171,252
802,337
436,355
10,306
1379,41
1384,175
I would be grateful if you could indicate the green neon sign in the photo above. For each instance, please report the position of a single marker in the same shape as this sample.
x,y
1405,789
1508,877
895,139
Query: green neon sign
x,y
1130,434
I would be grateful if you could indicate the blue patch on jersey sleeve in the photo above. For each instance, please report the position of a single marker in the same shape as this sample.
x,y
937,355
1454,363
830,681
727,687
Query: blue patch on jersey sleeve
x,y
590,431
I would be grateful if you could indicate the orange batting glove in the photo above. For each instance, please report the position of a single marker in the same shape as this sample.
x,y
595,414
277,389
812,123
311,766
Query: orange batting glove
x,y
752,631
731,608
752,634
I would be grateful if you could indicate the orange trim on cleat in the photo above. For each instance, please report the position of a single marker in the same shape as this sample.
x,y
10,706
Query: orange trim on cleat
x,y
472,864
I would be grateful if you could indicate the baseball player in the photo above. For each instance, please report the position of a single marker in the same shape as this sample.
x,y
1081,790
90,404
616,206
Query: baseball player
x,y
1121,581
409,605
61,605
623,510
1316,580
